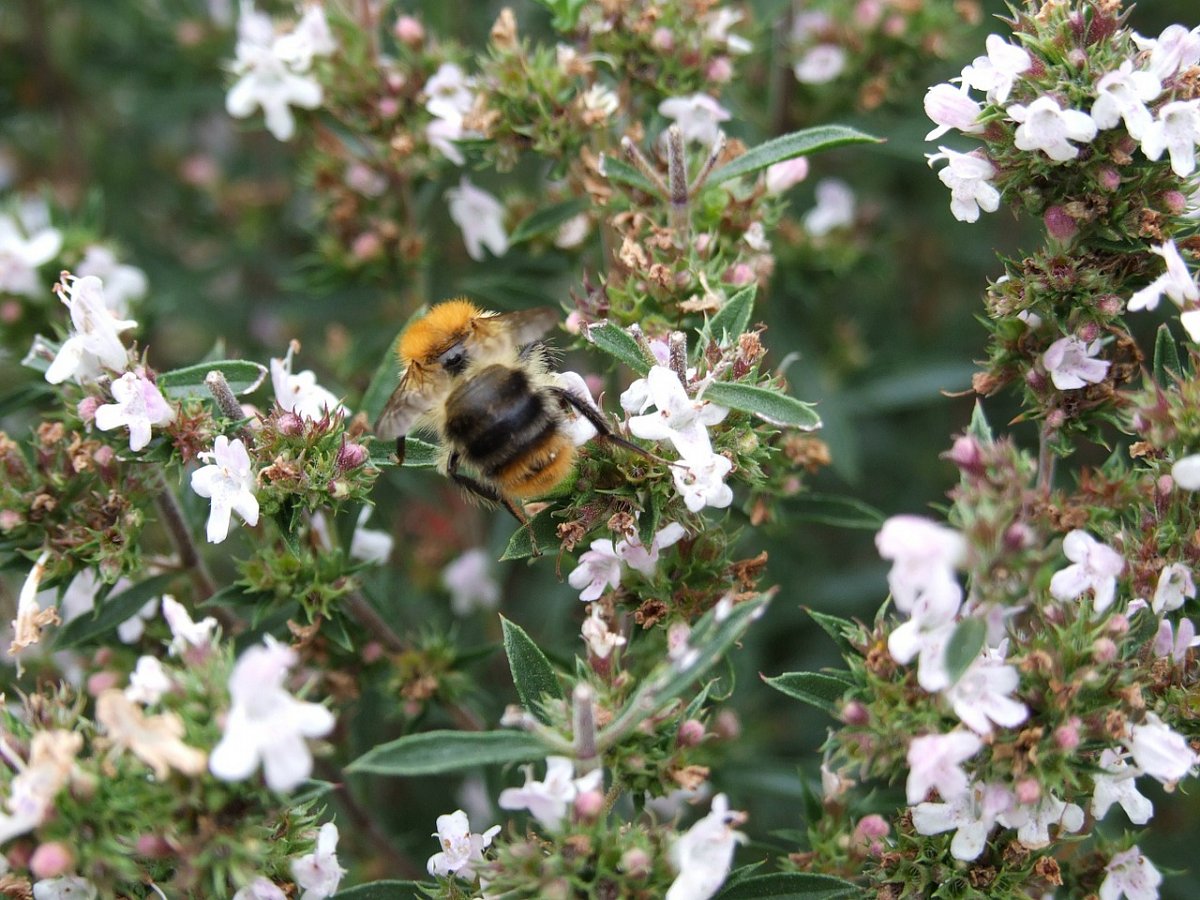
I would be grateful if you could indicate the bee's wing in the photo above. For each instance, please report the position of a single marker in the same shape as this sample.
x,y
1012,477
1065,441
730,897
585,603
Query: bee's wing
x,y
405,406
526,325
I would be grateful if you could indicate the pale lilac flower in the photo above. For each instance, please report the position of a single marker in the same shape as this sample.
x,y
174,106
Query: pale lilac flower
x,y
470,582
481,218
122,283
698,116
1175,585
968,176
148,682
935,761
265,724
95,343
1123,95
138,405
835,208
756,238
548,801
299,393
701,482
970,816
680,651
951,107
595,632
678,418
1176,646
645,560
577,427
924,555
1046,126
784,175
66,887
599,569
1094,566
925,636
186,635
1177,283
450,93
1186,472
442,134
21,256
1071,365
996,72
461,850
1033,821
310,37
716,28
32,791
1130,875
1176,130
820,64
1119,785
318,873
704,853
981,696
260,889
1175,49
370,545
228,482
1159,751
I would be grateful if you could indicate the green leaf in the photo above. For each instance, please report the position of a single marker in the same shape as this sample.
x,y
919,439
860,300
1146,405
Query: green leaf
x,y
435,752
111,613
616,169
418,454
566,12
243,376
835,627
547,219
532,673
836,510
545,532
26,396
979,427
790,886
732,319
1166,356
383,383
620,344
814,688
770,406
381,890
964,645
789,146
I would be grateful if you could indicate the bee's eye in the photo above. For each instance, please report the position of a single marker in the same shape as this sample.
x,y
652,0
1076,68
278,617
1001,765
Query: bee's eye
x,y
454,360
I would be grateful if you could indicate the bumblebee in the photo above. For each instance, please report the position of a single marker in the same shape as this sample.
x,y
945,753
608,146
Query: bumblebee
x,y
482,382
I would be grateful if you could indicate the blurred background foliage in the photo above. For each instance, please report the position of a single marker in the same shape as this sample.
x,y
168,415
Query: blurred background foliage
x,y
114,113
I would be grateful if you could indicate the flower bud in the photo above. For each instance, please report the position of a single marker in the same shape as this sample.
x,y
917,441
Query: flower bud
x,y
1059,225
338,489
366,246
855,713
1118,624
1067,736
87,408
101,681
719,70
290,424
727,726
873,827
389,108
738,274
350,456
662,39
636,862
1035,379
50,860
690,734
1176,202
589,805
1110,305
1056,419
1104,650
1028,791
409,31
153,846
1109,178
967,455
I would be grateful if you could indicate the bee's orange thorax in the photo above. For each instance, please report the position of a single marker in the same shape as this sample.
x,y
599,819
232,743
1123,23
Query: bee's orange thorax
x,y
436,331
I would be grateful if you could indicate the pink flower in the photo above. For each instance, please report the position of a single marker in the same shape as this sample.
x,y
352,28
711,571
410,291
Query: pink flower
x,y
1095,567
935,761
1070,364
138,405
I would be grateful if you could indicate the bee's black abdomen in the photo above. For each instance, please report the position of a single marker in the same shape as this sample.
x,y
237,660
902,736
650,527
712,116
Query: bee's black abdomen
x,y
495,416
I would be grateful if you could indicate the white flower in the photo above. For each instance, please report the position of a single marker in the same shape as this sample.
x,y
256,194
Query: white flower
x,y
577,427
148,681
698,116
1070,363
1176,130
925,636
783,175
228,481
1033,821
139,404
187,635
1123,94
572,233
600,641
935,761
1095,567
260,889
122,283
703,854
21,256
1176,646
67,887
716,28
981,696
701,482
1119,785
95,343
1190,320
371,545
481,218
970,816
470,582
80,597
679,418
265,724
1176,48
1159,751
450,92
951,107
599,569
924,556
645,560
969,178
756,238
1177,283
548,800
599,99
1130,875
1175,585
31,618
1186,472
442,134
834,209
820,64
1048,127
32,790
300,393
318,873
996,72
461,849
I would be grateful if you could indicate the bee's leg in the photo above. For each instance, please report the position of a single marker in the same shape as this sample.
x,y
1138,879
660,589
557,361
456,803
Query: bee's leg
x,y
490,494
400,450
593,415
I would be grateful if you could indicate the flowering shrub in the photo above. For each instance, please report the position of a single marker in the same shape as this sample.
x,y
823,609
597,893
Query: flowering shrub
x,y
224,683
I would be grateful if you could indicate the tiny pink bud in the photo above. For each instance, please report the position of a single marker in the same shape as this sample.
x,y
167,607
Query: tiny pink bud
x,y
867,13
738,274
855,713
50,860
366,246
786,174
104,456
102,657
873,827
636,862
1077,22
574,322
690,733
1109,178
1110,305
152,846
1165,484
895,26
1028,791
662,39
1056,419
11,312
719,70
1035,380
1067,736
290,424
1059,225
396,81
701,243
1088,332
1018,536
372,651
389,108
350,456
87,408
1104,650
1077,57
1176,202
727,726
967,455
409,30
589,805
1118,624
9,519
101,681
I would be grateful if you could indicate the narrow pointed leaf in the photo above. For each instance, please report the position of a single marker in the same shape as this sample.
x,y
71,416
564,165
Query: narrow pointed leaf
x,y
380,890
732,319
835,627
547,219
789,146
770,406
243,376
979,427
616,169
841,512
790,886
544,531
435,752
814,688
964,645
418,454
619,344
1166,356
532,673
